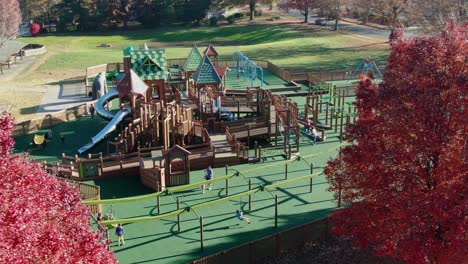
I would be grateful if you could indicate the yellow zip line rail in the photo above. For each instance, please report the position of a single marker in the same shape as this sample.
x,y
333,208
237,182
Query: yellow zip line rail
x,y
206,204
197,184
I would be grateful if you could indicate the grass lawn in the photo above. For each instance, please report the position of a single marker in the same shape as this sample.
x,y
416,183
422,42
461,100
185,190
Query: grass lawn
x,y
291,46
23,104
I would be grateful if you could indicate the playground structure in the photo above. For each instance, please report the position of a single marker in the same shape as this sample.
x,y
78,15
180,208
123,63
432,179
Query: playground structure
x,y
178,124
333,107
365,67
168,124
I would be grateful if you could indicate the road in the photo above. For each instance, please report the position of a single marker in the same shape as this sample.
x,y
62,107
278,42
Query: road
x,y
355,28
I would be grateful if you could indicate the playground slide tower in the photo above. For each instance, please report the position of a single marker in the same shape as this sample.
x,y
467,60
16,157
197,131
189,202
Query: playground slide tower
x,y
112,125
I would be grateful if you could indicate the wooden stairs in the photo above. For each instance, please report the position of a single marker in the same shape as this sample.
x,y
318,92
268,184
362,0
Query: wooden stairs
x,y
223,152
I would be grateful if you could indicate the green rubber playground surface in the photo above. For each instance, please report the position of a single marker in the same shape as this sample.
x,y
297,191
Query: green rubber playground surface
x,y
160,241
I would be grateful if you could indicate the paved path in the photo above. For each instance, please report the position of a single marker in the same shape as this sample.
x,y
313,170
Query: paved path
x,y
344,26
60,97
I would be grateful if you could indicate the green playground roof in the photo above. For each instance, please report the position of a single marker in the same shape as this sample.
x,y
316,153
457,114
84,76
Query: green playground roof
x,y
193,60
206,73
149,64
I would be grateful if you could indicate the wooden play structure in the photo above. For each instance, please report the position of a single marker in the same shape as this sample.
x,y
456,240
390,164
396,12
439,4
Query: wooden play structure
x,y
190,120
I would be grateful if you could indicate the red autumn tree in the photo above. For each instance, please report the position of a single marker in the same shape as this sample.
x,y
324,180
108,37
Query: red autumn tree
x,y
404,176
42,219
303,6
35,29
10,19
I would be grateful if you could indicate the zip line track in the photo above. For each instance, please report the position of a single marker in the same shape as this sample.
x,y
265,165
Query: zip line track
x,y
189,208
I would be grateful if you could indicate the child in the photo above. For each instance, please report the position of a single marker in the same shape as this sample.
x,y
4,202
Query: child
x,y
99,217
119,231
91,111
209,175
240,216
314,135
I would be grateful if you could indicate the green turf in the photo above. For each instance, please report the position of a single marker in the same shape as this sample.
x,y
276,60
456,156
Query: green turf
x,y
161,242
312,48
77,133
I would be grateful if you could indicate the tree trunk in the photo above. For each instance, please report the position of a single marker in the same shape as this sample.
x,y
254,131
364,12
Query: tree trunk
x,y
306,17
252,8
337,19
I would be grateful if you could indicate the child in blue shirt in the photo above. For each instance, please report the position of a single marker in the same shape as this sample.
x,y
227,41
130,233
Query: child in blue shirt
x,y
119,231
240,216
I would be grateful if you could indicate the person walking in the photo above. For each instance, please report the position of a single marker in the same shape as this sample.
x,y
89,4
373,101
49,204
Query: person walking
x,y
119,231
209,176
91,111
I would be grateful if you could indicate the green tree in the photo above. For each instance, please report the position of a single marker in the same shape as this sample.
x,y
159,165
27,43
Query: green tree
x,y
81,13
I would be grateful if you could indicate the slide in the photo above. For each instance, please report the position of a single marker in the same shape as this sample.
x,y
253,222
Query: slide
x,y
112,125
100,110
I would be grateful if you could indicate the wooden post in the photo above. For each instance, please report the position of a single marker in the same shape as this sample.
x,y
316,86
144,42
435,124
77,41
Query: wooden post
x,y
227,168
178,215
201,233
259,153
227,186
286,171
250,196
311,182
238,109
256,148
276,211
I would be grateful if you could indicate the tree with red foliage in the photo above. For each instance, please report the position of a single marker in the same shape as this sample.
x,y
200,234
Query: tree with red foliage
x,y
404,175
42,219
35,29
10,19
303,6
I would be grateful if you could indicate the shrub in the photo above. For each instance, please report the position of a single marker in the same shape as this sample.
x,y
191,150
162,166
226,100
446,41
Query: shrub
x,y
230,19
35,29
213,21
238,15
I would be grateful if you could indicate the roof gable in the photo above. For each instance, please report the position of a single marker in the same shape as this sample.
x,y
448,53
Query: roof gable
x,y
132,83
193,60
176,149
211,51
149,64
206,73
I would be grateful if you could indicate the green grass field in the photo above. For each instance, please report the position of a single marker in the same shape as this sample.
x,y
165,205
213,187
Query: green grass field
x,y
292,46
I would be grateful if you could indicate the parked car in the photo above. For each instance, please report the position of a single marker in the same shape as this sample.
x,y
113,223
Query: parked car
x,y
321,22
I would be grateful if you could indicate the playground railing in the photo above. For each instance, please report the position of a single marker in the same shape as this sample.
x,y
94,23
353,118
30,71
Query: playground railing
x,y
50,120
312,78
88,192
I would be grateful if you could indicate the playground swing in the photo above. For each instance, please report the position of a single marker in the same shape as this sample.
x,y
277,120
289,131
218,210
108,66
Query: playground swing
x,y
110,214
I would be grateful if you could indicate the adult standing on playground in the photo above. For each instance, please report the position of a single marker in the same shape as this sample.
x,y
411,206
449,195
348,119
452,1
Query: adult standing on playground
x,y
119,231
91,111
